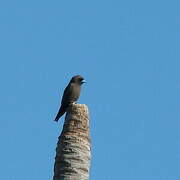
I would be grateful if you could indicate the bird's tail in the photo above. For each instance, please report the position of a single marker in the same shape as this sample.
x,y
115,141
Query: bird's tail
x,y
60,113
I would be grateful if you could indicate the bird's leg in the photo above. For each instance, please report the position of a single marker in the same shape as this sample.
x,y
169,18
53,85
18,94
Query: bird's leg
x,y
74,102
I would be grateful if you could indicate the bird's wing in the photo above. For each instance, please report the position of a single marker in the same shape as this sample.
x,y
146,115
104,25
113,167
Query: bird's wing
x,y
71,94
67,94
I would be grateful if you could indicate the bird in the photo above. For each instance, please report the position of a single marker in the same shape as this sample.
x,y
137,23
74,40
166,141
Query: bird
x,y
71,94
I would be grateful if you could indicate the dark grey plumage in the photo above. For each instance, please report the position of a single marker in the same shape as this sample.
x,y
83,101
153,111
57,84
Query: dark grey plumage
x,y
71,94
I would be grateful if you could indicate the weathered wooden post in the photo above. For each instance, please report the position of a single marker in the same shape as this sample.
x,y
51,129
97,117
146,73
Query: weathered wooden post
x,y
73,152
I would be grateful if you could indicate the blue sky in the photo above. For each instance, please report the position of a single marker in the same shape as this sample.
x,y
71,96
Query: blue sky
x,y
128,52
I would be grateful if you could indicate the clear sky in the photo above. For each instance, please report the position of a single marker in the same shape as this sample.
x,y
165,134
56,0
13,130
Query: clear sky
x,y
128,52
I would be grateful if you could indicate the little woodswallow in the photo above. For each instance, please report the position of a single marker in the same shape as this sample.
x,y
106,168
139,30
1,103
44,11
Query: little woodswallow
x,y
71,94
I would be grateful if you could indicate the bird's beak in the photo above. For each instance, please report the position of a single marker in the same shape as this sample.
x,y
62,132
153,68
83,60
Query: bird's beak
x,y
83,81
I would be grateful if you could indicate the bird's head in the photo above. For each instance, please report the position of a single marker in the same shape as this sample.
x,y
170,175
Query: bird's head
x,y
78,79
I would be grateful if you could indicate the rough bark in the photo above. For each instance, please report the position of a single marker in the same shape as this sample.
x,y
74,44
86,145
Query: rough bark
x,y
73,152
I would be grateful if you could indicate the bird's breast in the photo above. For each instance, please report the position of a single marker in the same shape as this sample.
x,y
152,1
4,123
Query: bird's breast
x,y
74,93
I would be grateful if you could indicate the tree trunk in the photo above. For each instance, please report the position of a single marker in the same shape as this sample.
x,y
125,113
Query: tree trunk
x,y
73,152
